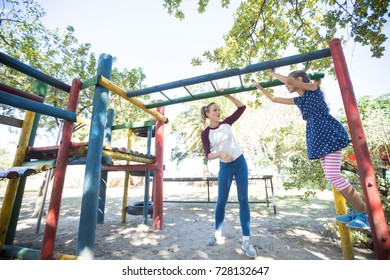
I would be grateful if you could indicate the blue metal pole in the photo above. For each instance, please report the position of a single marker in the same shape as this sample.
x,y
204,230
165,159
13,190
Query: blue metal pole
x,y
234,72
104,173
34,106
88,215
109,125
147,175
32,72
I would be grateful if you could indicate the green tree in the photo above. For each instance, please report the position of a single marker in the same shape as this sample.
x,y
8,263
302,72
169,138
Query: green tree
x,y
264,29
287,149
61,55
58,54
375,115
187,128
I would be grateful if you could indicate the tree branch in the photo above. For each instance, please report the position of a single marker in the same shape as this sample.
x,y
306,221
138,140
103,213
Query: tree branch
x,y
304,24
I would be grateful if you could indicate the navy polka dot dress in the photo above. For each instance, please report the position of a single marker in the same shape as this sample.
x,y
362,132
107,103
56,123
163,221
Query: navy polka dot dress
x,y
324,133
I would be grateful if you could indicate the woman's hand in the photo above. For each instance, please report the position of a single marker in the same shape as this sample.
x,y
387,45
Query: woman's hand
x,y
226,157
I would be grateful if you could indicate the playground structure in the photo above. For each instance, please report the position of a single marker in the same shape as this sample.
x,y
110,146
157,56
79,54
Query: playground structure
x,y
93,152
98,148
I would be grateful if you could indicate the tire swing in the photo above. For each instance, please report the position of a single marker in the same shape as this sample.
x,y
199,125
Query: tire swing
x,y
137,208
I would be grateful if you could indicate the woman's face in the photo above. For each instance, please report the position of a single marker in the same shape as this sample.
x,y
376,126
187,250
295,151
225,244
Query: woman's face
x,y
214,113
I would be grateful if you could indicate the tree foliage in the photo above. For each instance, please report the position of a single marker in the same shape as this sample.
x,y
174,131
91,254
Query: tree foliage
x,y
61,55
287,149
58,54
187,128
265,29
375,116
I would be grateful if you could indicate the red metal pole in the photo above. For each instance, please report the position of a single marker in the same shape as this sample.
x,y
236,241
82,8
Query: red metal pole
x,y
379,231
158,177
21,93
59,177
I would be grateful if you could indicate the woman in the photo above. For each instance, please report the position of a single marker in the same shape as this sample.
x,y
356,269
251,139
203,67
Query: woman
x,y
325,139
219,143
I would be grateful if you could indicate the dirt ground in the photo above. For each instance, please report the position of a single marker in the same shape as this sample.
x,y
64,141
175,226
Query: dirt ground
x,y
299,231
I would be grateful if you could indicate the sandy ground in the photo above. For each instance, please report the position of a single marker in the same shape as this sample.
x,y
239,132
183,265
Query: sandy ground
x,y
299,231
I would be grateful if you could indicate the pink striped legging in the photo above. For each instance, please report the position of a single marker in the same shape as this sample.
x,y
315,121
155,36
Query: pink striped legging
x,y
331,164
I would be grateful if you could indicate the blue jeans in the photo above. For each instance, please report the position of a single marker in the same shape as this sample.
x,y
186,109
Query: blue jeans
x,y
238,169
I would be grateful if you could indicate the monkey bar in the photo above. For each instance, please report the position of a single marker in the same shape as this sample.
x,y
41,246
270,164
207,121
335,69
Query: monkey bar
x,y
242,88
233,72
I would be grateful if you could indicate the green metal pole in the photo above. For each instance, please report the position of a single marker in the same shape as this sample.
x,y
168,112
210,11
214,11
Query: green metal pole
x,y
312,76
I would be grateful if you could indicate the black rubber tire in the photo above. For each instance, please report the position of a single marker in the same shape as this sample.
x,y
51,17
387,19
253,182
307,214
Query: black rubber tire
x,y
137,208
143,131
140,173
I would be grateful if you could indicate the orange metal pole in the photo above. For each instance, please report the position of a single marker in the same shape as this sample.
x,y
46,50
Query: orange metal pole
x,y
158,177
59,177
376,216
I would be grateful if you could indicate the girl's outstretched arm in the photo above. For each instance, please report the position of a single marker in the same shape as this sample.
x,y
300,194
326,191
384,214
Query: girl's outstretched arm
x,y
282,100
293,82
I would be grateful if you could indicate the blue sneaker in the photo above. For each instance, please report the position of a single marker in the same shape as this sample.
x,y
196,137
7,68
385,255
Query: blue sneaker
x,y
345,219
213,240
250,252
360,222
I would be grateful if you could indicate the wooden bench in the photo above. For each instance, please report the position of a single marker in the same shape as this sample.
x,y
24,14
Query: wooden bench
x,y
268,184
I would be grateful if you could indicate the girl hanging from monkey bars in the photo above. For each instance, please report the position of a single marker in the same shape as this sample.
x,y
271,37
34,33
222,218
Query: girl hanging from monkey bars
x,y
325,139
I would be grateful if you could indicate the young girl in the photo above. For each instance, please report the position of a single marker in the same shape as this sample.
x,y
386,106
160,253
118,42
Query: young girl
x,y
219,143
325,139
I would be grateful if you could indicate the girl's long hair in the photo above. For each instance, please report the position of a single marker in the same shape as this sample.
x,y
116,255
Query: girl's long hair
x,y
305,79
300,73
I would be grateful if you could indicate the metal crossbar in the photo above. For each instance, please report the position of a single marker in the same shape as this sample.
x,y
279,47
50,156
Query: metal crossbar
x,y
215,92
300,58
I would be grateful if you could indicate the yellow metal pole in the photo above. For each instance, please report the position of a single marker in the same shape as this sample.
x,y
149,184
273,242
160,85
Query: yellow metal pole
x,y
12,186
121,156
58,256
345,233
114,88
127,178
83,120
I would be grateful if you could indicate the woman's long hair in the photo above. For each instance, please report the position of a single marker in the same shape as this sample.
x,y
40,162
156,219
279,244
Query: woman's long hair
x,y
203,111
